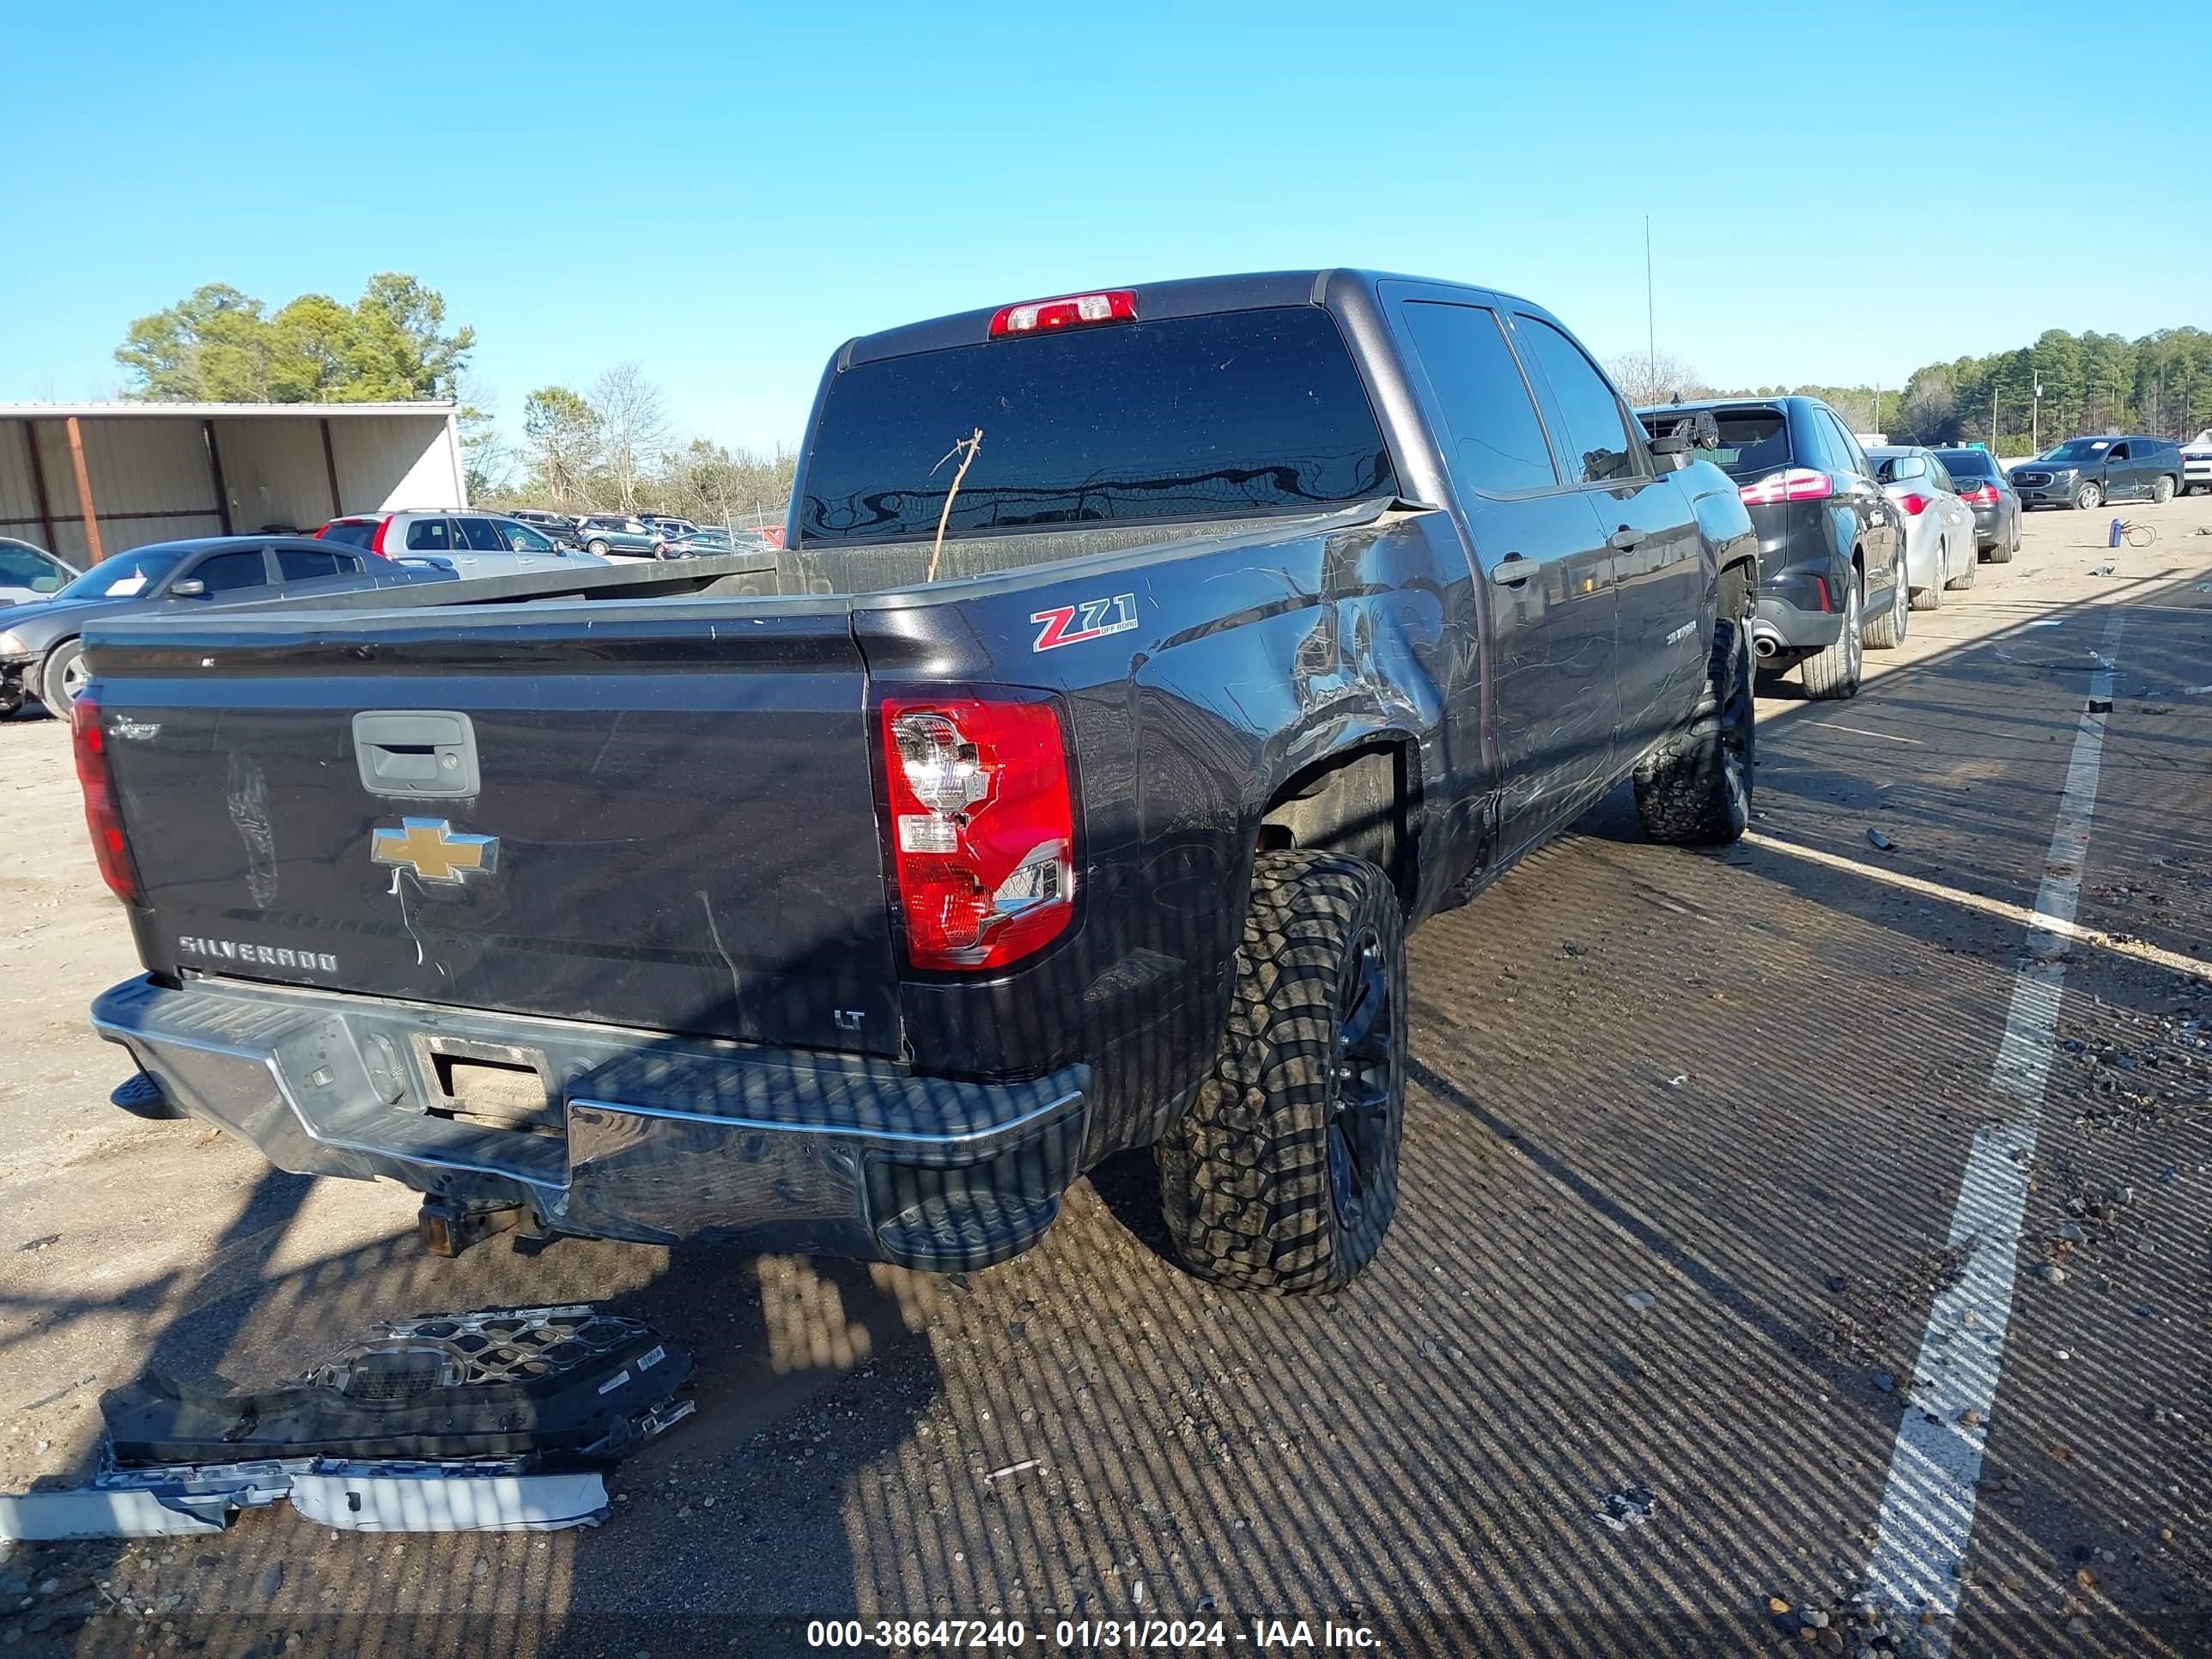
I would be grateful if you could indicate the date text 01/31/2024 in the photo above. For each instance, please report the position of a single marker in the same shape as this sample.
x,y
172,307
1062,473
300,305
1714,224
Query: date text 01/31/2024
x,y
1085,1635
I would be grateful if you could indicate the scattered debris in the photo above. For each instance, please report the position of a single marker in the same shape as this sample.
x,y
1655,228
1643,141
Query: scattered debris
x,y
1678,1079
996,1475
1632,1506
1640,1300
454,1422
2105,570
1880,843
39,1242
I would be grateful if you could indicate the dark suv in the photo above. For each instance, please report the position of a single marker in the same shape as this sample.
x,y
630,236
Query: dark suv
x,y
2086,472
1830,547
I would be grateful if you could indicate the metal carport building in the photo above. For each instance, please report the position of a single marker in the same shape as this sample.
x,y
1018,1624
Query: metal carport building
x,y
86,480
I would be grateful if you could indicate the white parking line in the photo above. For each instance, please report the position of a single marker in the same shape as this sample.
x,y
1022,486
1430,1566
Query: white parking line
x,y
1927,1515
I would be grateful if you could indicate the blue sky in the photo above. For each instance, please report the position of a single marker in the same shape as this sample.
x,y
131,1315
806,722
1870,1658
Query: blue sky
x,y
723,193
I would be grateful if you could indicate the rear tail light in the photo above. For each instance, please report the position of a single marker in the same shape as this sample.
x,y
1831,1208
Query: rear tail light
x,y
101,815
1826,603
1076,311
1913,503
1799,483
983,827
376,542
1981,496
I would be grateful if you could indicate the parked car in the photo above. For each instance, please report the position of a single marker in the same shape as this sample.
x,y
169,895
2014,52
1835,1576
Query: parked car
x,y
1831,575
1984,487
675,543
2086,472
41,647
616,534
468,561
2196,463
441,531
558,528
1939,526
1106,840
29,574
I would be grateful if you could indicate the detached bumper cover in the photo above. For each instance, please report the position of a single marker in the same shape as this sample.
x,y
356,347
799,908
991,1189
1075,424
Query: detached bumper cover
x,y
645,1138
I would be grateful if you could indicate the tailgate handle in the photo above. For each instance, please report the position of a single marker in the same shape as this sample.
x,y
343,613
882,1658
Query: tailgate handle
x,y
414,754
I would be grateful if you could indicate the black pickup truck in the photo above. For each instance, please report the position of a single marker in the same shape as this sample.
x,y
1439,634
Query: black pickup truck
x,y
1055,791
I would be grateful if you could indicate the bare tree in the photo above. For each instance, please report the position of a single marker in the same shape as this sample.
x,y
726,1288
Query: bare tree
x,y
634,428
1646,378
564,433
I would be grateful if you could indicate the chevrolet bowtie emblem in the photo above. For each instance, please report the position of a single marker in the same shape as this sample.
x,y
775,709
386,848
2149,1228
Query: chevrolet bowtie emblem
x,y
429,848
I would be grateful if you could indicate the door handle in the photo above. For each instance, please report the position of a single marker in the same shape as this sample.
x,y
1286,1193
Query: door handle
x,y
1624,538
1512,570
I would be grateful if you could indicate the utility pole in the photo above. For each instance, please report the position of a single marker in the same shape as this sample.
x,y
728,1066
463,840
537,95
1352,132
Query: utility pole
x,y
1651,319
1993,415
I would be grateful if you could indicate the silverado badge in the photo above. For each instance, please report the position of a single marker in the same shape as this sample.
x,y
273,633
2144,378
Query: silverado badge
x,y
429,848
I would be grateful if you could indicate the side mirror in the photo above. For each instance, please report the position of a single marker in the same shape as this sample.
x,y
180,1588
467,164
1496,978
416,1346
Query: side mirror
x,y
46,585
192,589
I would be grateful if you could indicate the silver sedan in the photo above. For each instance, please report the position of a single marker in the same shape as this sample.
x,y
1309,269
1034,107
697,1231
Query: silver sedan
x,y
1939,527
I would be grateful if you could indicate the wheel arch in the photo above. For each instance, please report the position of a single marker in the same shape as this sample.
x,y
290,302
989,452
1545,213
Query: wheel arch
x,y
1361,798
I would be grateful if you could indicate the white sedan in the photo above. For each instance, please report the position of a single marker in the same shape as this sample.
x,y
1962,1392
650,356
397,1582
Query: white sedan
x,y
1939,527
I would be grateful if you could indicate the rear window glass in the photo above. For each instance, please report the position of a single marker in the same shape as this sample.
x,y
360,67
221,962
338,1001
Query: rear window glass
x,y
352,535
1235,415
1753,441
1967,463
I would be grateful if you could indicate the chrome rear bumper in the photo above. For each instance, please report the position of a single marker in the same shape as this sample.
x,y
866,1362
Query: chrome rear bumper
x,y
652,1138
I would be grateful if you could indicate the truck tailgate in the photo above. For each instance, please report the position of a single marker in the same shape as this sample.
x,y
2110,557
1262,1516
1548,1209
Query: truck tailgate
x,y
680,813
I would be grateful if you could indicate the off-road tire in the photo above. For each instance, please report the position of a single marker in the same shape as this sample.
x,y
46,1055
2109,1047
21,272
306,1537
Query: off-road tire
x,y
1833,672
61,665
1250,1187
1694,789
2162,491
1887,631
2089,496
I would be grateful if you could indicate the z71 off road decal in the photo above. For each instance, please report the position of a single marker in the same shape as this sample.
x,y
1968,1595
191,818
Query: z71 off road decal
x,y
1071,624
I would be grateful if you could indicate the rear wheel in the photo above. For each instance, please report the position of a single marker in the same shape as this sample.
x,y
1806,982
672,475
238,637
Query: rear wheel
x,y
1931,598
2008,543
1832,672
1283,1173
1886,632
63,676
1694,789
1964,577
2162,491
2089,496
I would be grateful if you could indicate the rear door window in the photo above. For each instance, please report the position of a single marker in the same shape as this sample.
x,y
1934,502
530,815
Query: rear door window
x,y
1597,441
1495,440
1234,414
231,572
483,535
1849,456
430,536
297,564
300,564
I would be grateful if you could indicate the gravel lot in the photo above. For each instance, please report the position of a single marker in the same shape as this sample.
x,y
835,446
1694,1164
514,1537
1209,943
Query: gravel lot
x,y
1684,1149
